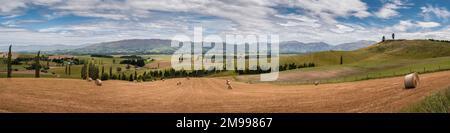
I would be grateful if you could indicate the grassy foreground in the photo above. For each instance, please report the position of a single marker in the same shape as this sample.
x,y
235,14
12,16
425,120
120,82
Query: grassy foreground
x,y
436,103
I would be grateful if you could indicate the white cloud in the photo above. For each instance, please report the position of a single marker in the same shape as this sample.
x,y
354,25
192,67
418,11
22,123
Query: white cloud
x,y
125,19
405,25
11,7
342,29
440,12
390,8
428,24
328,10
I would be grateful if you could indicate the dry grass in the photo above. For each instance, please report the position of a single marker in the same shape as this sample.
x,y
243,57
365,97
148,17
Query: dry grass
x,y
211,95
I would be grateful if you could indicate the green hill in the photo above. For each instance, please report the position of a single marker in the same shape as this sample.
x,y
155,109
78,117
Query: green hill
x,y
398,49
384,59
411,48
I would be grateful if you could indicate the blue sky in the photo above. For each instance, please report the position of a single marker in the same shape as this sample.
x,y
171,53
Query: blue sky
x,y
74,22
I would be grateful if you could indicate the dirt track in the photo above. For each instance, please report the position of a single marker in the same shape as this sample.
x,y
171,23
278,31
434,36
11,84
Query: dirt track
x,y
211,95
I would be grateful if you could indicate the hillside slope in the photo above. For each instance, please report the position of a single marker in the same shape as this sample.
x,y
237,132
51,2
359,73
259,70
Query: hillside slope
x,y
401,49
385,59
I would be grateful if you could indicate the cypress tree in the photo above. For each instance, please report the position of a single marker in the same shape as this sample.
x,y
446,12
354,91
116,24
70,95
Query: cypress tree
x,y
103,70
131,77
342,61
9,62
84,71
38,65
124,77
135,74
110,71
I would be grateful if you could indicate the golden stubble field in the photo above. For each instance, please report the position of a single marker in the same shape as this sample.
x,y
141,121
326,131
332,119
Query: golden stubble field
x,y
212,95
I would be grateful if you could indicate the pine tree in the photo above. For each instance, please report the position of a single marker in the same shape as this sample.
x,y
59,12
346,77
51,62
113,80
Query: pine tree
x,y
144,76
124,77
103,70
110,71
84,71
341,62
104,76
9,62
97,73
70,65
135,75
38,65
131,78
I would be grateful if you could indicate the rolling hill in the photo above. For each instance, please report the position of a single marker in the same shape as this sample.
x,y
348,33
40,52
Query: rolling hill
x,y
132,46
162,46
399,49
384,59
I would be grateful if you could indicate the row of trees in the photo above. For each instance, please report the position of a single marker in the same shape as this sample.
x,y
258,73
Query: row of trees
x,y
36,65
434,40
92,70
135,62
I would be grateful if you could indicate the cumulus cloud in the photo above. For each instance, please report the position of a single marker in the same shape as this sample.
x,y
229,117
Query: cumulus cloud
x,y
331,9
390,8
405,25
440,12
311,20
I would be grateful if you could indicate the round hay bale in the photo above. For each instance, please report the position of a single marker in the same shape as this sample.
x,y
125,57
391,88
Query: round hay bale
x,y
89,79
229,84
316,82
98,82
411,81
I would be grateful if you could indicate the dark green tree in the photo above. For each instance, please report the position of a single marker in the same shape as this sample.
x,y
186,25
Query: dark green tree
x,y
104,76
84,71
124,77
110,71
38,65
342,61
103,70
9,67
135,74
70,65
131,78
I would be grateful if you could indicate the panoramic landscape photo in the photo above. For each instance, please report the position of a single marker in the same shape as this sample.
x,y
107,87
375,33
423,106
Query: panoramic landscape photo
x,y
224,56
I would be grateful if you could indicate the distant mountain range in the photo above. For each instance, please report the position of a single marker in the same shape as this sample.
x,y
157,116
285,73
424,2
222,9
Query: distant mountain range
x,y
161,46
35,48
299,47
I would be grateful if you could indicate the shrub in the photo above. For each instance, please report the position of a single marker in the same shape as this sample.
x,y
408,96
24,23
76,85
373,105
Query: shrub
x,y
436,103
103,56
105,76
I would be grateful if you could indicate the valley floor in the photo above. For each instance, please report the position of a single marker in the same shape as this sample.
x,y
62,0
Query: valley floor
x,y
212,95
